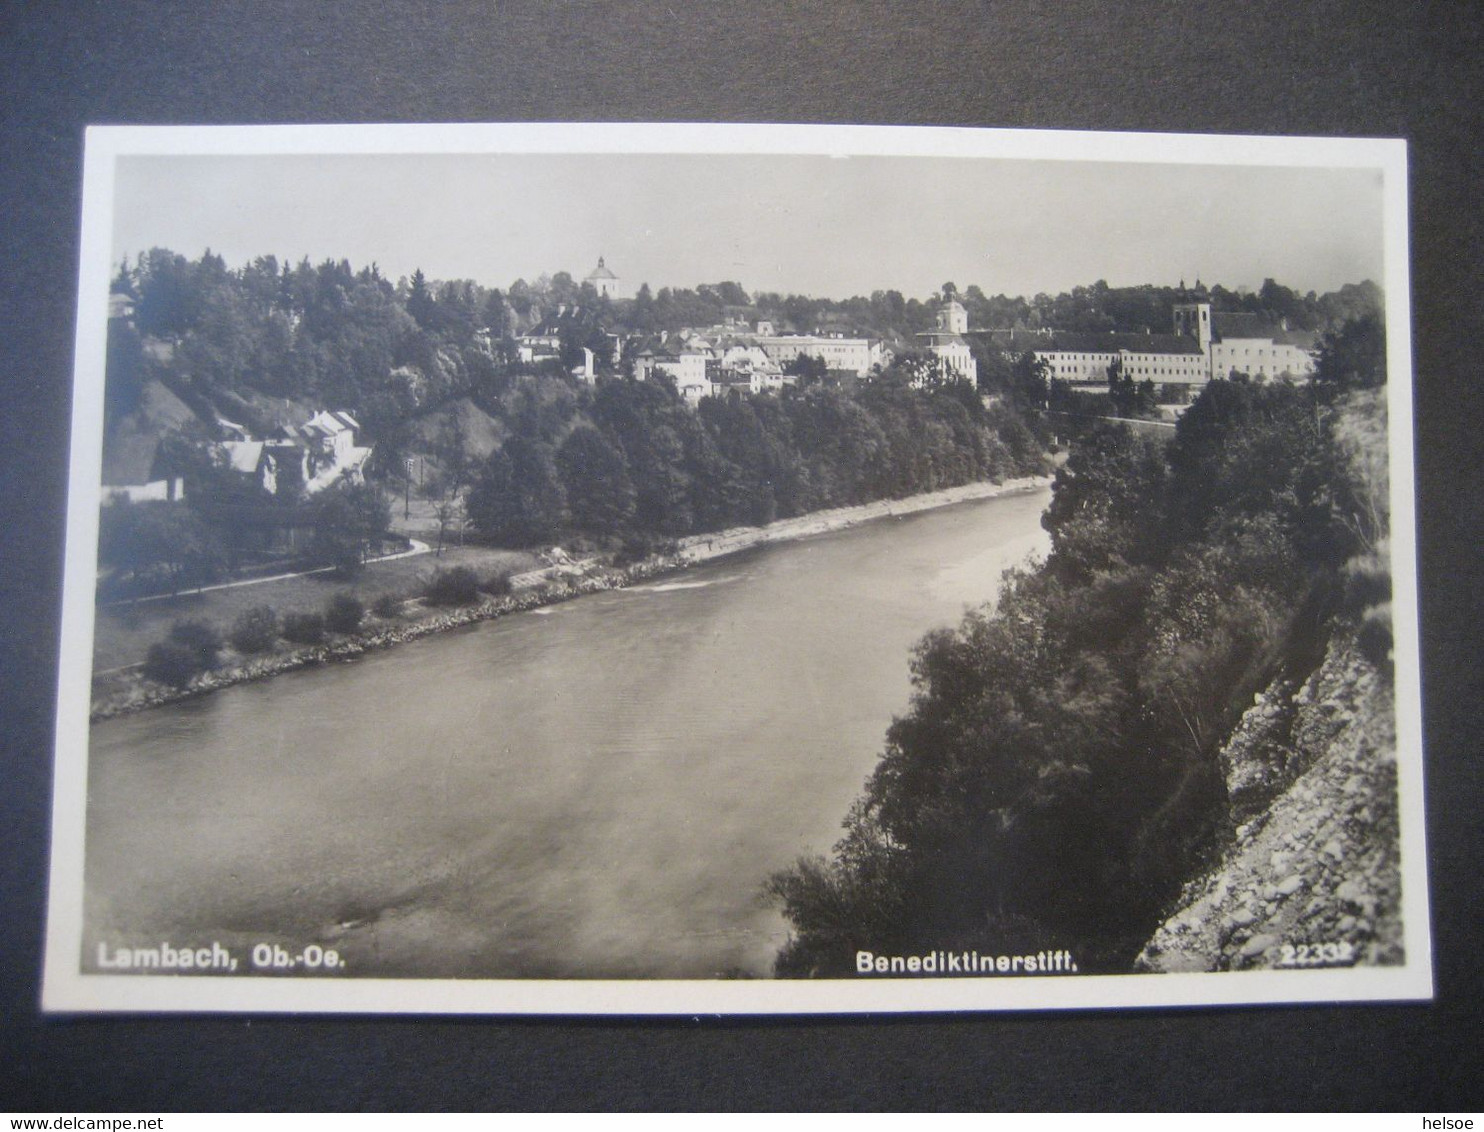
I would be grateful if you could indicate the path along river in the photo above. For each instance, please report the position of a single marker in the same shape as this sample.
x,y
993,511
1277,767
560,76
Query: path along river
x,y
596,789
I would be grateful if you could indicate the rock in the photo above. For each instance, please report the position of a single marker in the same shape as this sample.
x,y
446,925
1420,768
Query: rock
x,y
1243,916
1257,945
1291,885
1182,962
1352,892
1333,850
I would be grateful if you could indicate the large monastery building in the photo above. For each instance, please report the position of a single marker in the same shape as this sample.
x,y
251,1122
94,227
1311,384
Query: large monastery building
x,y
1205,344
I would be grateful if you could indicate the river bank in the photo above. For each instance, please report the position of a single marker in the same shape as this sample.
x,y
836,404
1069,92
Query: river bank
x,y
128,691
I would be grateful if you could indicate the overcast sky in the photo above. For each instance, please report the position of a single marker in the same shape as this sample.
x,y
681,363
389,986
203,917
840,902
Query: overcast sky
x,y
828,227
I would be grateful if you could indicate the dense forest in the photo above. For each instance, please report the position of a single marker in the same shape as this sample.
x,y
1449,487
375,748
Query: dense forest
x,y
631,458
1056,778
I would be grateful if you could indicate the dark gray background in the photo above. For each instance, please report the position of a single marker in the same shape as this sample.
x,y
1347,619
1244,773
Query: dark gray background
x,y
1361,68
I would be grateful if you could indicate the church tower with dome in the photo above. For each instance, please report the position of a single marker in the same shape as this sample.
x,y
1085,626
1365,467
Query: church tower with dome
x,y
604,282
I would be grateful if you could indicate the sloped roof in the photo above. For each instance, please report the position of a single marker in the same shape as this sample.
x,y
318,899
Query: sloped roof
x,y
1240,324
352,462
943,338
243,455
1159,344
129,459
330,422
1017,341
131,446
1112,343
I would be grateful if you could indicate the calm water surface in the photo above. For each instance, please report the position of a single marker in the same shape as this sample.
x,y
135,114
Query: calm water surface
x,y
598,789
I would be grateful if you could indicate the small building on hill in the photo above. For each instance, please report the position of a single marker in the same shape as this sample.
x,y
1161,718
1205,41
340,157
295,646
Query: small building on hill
x,y
604,281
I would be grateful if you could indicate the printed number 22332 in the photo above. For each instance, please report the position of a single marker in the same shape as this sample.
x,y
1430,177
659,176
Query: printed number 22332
x,y
1326,954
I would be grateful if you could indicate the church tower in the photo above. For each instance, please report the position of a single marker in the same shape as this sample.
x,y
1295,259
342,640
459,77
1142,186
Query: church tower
x,y
1193,320
604,282
952,318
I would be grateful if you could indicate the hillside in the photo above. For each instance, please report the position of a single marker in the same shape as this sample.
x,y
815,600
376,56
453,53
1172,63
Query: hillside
x,y
1314,860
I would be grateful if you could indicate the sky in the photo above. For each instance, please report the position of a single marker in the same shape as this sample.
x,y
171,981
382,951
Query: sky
x,y
830,227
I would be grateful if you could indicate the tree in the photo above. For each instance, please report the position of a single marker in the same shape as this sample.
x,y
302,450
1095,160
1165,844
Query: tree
x,y
344,613
1030,381
169,301
124,372
156,542
810,370
255,630
519,499
190,649
348,520
1131,399
1354,357
595,476
450,513
421,304
450,448
641,311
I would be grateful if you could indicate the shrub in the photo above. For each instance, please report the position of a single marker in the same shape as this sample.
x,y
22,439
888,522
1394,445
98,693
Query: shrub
x,y
458,586
387,605
304,628
172,663
200,638
497,584
255,630
344,613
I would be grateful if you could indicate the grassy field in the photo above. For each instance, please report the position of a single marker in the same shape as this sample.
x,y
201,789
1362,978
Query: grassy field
x,y
123,633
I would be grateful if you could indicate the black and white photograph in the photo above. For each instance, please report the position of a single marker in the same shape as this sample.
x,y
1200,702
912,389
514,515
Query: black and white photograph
x,y
741,569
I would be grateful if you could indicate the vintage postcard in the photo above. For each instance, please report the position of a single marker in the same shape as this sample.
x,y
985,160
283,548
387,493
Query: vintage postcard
x,y
737,569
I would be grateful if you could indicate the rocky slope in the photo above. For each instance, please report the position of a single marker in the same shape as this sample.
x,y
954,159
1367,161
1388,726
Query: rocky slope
x,y
1311,873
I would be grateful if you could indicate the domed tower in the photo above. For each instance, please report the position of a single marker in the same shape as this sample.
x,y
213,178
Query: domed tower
x,y
604,282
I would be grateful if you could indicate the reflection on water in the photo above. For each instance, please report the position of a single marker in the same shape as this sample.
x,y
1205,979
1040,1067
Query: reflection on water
x,y
600,792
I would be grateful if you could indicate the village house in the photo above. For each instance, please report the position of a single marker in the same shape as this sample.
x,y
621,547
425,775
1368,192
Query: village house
x,y
312,456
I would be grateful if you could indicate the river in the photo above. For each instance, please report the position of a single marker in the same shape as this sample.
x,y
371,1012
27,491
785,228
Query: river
x,y
597,789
